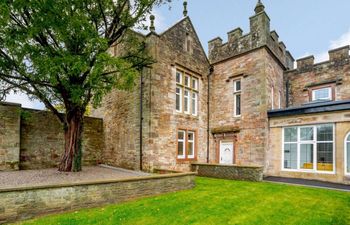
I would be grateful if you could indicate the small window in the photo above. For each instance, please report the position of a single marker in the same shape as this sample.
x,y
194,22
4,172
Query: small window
x,y
178,77
322,94
237,89
190,144
187,102
194,103
195,83
187,81
186,144
181,144
178,99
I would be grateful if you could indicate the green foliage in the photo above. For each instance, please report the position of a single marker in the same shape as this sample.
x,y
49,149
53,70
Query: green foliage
x,y
25,115
222,202
56,50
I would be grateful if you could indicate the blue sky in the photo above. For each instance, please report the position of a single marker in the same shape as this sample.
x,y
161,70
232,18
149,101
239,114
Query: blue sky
x,y
305,26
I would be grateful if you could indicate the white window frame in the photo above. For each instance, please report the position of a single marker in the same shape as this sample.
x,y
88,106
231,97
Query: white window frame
x,y
195,99
189,81
187,101
236,93
347,173
193,144
178,72
314,142
180,96
190,89
183,141
329,98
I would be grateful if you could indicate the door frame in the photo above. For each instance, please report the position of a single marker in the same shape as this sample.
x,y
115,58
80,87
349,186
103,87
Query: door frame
x,y
229,138
233,150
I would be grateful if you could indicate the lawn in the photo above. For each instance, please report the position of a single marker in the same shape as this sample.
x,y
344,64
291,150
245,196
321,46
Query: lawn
x,y
216,201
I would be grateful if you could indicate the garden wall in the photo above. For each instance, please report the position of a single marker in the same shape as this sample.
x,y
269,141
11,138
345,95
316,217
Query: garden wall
x,y
233,172
33,139
25,203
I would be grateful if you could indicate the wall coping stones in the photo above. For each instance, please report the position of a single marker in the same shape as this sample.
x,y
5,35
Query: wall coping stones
x,y
226,165
231,172
10,104
85,183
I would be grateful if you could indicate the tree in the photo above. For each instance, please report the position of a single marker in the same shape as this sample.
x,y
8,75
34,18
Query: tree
x,y
56,51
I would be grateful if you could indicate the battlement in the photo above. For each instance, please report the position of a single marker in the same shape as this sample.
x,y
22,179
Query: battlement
x,y
337,57
258,36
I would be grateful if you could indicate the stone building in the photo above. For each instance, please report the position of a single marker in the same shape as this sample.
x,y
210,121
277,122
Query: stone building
x,y
244,104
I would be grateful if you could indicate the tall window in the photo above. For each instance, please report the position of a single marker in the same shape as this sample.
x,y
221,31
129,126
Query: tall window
x,y
347,155
309,148
181,144
237,90
186,144
279,100
272,99
322,94
187,87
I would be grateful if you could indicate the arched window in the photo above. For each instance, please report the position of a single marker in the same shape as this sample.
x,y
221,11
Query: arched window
x,y
347,154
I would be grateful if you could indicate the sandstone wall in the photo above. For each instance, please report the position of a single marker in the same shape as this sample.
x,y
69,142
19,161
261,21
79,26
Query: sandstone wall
x,y
26,203
335,72
9,136
33,139
162,121
251,127
232,172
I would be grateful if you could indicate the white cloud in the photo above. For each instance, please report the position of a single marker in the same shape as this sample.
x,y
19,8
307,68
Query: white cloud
x,y
24,101
340,42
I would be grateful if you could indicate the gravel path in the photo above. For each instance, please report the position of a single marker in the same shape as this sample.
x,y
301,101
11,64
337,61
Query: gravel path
x,y
28,178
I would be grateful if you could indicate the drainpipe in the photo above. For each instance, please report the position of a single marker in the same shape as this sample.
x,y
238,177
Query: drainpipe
x,y
141,118
287,94
211,70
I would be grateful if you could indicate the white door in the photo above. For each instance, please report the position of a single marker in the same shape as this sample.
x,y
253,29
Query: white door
x,y
226,152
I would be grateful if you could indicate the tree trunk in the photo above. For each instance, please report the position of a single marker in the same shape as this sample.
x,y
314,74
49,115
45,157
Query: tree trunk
x,y
73,130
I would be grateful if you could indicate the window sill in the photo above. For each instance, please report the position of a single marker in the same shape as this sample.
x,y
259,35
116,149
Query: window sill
x,y
185,160
187,116
309,171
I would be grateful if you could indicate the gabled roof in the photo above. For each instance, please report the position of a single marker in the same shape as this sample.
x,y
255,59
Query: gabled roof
x,y
187,18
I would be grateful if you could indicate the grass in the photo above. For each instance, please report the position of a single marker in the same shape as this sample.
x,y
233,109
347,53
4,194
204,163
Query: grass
x,y
216,201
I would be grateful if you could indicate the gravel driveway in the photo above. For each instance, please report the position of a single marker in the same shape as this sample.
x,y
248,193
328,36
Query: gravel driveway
x,y
29,178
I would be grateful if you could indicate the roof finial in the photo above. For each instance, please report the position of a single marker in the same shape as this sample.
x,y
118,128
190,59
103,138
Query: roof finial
x,y
185,8
259,7
152,28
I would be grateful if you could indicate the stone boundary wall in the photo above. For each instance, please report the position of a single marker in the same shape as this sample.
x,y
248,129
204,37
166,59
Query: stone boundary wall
x,y
34,139
26,203
232,172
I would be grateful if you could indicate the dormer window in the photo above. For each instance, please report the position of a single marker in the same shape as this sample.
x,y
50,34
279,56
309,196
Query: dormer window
x,y
322,94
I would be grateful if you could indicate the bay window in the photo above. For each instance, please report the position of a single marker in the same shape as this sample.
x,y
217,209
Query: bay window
x,y
309,148
186,93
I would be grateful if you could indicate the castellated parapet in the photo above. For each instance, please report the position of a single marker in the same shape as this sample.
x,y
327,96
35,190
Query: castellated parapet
x,y
337,57
259,36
